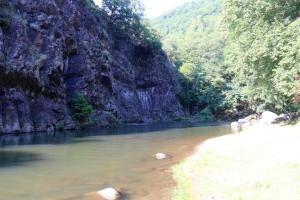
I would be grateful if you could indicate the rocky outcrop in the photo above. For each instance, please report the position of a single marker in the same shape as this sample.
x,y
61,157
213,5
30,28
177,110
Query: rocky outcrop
x,y
53,49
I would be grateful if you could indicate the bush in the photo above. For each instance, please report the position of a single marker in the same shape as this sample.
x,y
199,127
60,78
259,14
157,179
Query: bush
x,y
150,36
125,16
80,108
206,115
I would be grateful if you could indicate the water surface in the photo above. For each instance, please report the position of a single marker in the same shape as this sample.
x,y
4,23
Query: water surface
x,y
65,166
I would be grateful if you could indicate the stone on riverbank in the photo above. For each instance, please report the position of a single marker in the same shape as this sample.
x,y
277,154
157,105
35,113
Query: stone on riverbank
x,y
236,127
268,117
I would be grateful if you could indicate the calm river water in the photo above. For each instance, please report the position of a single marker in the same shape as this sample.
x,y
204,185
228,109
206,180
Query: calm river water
x,y
68,165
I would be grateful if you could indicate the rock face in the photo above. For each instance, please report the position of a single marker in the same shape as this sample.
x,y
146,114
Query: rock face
x,y
53,49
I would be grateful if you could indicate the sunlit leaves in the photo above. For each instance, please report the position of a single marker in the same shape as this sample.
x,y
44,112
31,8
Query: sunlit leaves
x,y
265,34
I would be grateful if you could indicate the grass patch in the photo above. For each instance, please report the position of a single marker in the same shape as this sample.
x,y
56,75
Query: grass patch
x,y
260,164
183,190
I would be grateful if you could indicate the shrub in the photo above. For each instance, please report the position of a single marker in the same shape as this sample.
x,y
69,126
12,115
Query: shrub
x,y
150,36
80,108
205,115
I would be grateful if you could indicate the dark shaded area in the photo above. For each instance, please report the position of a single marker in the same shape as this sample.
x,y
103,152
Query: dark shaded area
x,y
14,158
69,137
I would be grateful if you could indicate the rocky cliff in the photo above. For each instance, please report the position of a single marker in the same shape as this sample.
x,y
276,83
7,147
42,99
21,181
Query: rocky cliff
x,y
52,49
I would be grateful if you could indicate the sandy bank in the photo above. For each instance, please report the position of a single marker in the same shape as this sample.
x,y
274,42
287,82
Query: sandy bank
x,y
261,163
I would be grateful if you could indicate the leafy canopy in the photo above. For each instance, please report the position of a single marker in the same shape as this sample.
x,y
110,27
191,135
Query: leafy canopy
x,y
263,50
235,54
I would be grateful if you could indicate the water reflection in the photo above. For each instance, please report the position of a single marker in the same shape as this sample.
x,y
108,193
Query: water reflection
x,y
70,136
15,158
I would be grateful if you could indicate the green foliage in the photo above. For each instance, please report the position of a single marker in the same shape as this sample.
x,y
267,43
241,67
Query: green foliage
x,y
95,9
150,36
246,58
4,21
195,41
206,115
81,109
263,51
4,18
123,13
126,17
180,20
295,107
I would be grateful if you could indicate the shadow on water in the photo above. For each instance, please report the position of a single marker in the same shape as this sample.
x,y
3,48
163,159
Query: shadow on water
x,y
15,159
68,137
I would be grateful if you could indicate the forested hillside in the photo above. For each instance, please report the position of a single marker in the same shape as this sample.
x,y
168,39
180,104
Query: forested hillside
x,y
181,19
234,55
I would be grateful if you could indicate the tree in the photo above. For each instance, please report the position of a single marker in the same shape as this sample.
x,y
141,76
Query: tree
x,y
123,13
195,41
126,16
263,51
247,58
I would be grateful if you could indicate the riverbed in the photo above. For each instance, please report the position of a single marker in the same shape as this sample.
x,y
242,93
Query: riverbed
x,y
68,165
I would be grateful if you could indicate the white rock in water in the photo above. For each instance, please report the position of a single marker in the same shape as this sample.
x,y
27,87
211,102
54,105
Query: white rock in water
x,y
110,194
268,117
160,156
235,126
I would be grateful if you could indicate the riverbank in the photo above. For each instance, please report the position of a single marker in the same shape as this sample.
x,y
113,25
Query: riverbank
x,y
260,163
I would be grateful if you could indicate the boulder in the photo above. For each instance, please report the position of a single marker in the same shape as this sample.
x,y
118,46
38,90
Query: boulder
x,y
236,127
245,125
251,117
161,156
109,194
268,117
284,117
242,121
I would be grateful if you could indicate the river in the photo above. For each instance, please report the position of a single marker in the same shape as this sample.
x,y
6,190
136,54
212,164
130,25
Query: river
x,y
68,165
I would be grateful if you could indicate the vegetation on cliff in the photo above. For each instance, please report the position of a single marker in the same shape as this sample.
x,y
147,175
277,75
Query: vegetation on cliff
x,y
81,109
127,19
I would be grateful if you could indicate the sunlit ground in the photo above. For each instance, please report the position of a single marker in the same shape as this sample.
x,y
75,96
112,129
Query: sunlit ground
x,y
262,163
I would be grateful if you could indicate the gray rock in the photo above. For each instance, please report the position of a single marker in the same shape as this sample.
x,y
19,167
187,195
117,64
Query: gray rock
x,y
268,117
62,49
236,127
242,121
284,117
